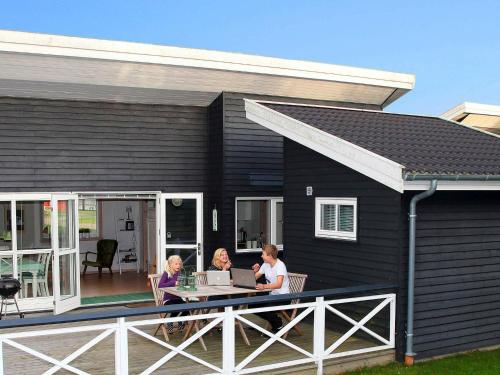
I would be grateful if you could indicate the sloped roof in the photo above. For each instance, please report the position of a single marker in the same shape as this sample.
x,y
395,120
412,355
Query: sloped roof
x,y
419,145
63,67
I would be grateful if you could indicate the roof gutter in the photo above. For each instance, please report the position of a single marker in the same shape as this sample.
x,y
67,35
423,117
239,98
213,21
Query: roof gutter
x,y
411,269
451,177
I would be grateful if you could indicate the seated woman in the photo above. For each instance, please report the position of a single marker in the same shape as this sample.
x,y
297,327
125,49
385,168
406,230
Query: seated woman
x,y
220,261
173,266
277,282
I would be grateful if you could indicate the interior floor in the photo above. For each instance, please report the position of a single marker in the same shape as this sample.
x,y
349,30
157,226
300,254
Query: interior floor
x,y
92,285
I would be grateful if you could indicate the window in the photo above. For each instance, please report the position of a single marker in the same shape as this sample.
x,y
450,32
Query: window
x,y
336,218
258,221
88,213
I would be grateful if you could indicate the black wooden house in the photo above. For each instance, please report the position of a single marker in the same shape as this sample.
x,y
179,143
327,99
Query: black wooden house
x,y
349,177
164,132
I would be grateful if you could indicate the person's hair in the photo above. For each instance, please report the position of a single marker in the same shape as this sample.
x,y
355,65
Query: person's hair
x,y
168,264
216,258
271,250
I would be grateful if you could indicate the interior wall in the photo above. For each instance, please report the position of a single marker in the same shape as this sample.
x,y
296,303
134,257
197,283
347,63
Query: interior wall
x,y
113,215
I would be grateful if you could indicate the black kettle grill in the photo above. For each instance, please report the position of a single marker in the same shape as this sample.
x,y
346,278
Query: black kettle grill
x,y
8,290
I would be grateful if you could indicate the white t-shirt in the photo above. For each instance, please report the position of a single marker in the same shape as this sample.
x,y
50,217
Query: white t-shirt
x,y
272,273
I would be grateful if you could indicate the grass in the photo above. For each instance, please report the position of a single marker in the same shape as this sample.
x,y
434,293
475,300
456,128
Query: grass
x,y
473,363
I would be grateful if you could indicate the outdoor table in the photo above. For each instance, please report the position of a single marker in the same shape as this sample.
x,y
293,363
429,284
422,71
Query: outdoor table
x,y
205,291
29,266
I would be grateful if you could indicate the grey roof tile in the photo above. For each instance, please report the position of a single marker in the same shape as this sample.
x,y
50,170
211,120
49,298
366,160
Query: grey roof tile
x,y
424,145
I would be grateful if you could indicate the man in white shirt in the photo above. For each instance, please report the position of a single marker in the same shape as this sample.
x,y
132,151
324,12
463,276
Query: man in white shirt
x,y
277,281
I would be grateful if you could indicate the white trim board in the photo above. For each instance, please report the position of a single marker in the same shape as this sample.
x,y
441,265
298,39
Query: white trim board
x,y
466,108
58,45
383,170
62,67
454,185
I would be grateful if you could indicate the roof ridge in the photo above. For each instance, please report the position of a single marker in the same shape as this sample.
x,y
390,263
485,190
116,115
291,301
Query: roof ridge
x,y
350,109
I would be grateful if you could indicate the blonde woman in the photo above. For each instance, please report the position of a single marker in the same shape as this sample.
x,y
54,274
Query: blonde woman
x,y
220,261
173,266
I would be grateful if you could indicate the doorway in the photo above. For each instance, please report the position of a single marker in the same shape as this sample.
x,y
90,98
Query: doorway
x,y
148,228
123,227
44,237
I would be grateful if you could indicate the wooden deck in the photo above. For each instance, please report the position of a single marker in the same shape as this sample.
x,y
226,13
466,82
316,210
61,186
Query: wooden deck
x,y
143,353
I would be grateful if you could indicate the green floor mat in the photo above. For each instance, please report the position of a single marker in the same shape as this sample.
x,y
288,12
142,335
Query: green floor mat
x,y
117,298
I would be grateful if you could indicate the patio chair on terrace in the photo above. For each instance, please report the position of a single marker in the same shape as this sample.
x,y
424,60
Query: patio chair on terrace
x,y
297,282
154,279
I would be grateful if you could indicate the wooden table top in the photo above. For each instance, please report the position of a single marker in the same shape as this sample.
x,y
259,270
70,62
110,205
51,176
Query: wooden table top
x,y
209,291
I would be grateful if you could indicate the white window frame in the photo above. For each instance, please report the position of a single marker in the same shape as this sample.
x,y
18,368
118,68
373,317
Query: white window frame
x,y
336,234
271,216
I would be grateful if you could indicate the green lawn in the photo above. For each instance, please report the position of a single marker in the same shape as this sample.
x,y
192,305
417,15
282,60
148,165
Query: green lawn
x,y
474,363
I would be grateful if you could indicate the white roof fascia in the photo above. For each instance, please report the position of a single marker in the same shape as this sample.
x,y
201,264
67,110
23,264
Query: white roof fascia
x,y
381,169
468,108
57,45
454,185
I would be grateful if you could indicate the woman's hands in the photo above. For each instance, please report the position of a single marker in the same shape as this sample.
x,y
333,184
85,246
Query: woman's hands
x,y
260,286
227,265
256,267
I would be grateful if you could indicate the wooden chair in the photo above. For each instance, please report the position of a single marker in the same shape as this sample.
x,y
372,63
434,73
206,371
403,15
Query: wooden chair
x,y
201,278
297,282
154,279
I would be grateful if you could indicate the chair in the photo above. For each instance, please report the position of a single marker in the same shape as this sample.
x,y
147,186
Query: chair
x,y
297,282
106,250
42,277
154,279
200,278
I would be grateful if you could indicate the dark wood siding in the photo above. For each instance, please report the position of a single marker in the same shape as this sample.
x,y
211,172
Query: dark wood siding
x,y
54,145
373,258
376,255
457,272
214,178
252,162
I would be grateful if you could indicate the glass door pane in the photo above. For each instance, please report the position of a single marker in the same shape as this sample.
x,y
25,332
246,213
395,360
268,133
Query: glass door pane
x,y
5,227
67,276
33,225
66,253
180,221
181,231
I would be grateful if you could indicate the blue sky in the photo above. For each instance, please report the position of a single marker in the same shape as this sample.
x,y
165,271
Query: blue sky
x,y
453,47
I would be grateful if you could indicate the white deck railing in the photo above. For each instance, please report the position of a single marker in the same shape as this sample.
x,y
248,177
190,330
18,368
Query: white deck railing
x,y
122,327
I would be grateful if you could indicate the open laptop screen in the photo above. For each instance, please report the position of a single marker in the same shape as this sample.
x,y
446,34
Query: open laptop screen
x,y
243,278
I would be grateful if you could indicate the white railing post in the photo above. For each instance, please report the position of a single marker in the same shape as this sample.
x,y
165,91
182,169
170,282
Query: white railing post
x,y
392,324
228,341
1,357
121,348
319,333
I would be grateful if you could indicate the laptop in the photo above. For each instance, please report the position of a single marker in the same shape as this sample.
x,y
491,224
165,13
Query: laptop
x,y
218,278
243,278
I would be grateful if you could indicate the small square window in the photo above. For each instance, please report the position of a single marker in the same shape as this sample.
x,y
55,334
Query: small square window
x,y
336,218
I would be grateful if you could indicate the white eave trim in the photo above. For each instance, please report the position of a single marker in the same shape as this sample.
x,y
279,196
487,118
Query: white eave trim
x,y
381,169
57,45
454,185
467,108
